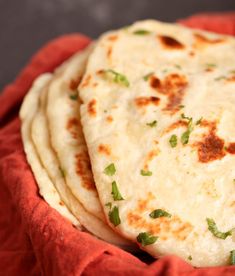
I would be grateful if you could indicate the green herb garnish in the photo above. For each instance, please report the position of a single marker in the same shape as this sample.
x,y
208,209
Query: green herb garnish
x,y
198,122
212,65
214,230
118,78
109,205
146,173
62,172
115,192
110,169
178,66
190,258
152,124
186,118
141,32
173,141
146,77
232,257
73,97
159,213
181,106
220,78
114,216
185,136
146,238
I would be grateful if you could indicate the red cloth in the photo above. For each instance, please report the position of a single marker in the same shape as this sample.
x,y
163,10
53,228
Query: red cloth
x,y
34,238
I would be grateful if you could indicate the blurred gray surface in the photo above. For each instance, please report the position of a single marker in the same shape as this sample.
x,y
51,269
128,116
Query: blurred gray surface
x,y
25,25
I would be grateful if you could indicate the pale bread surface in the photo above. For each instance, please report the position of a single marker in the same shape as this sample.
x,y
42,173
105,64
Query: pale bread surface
x,y
66,134
41,138
192,73
46,188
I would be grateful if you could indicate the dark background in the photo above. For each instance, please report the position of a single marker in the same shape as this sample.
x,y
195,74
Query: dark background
x,y
25,25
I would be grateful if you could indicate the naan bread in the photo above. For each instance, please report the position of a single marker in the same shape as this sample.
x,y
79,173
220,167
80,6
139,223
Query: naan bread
x,y
46,187
158,116
66,133
41,139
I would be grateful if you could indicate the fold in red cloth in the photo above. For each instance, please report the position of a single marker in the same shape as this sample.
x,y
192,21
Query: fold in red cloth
x,y
34,238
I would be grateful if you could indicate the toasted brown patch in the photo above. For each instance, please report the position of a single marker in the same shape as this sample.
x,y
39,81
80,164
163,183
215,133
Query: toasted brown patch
x,y
112,37
170,43
100,72
175,125
109,51
86,81
211,148
150,156
202,41
144,101
232,204
173,86
191,53
72,127
83,169
61,203
91,107
73,85
208,69
104,149
231,148
162,227
109,118
231,79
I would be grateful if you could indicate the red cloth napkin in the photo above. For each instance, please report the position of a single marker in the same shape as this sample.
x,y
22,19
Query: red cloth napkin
x,y
34,238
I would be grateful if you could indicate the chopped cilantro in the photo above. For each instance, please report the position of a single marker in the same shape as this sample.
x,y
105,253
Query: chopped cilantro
x,y
181,106
114,216
173,141
185,137
212,65
214,230
73,97
146,173
115,192
141,32
232,257
62,171
198,122
164,70
146,77
178,66
118,78
186,134
159,213
186,117
110,169
220,78
109,205
152,124
190,258
146,238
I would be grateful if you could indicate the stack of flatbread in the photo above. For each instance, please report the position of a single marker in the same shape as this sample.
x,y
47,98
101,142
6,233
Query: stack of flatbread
x,y
133,140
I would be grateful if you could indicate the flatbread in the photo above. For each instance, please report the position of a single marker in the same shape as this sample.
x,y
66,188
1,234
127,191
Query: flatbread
x,y
159,107
41,139
46,187
66,133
